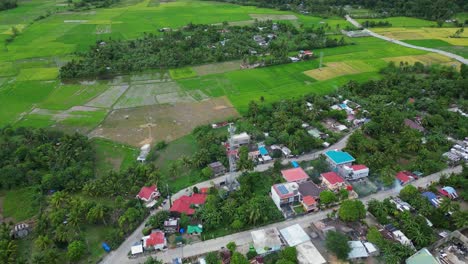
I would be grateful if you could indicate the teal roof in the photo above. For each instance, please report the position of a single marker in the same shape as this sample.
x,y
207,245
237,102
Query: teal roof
x,y
339,157
423,256
194,229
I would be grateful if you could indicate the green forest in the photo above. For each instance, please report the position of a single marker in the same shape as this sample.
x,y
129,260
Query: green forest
x,y
8,4
71,211
427,9
197,44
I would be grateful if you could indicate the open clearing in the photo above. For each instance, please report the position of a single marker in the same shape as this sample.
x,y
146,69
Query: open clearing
x,y
335,69
424,59
182,73
112,156
141,125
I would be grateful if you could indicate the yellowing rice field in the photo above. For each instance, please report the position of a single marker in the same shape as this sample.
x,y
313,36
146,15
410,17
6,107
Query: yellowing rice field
x,y
335,69
425,59
425,33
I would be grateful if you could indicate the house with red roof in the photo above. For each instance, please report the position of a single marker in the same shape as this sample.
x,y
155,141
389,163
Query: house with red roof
x,y
295,175
309,203
148,193
155,240
404,177
186,204
354,172
332,180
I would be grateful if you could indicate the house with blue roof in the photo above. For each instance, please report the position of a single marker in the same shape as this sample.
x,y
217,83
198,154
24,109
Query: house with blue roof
x,y
338,159
432,198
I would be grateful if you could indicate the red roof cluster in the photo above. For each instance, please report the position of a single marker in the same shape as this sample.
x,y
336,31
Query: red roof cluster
x,y
404,176
332,177
146,192
182,205
358,167
155,238
309,200
294,175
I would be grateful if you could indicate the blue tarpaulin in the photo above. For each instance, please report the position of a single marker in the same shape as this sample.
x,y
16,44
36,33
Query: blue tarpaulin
x,y
106,247
295,164
263,151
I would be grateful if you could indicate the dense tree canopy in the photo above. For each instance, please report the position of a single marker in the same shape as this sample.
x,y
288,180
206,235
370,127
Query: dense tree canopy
x,y
352,210
428,9
338,244
8,4
52,160
197,44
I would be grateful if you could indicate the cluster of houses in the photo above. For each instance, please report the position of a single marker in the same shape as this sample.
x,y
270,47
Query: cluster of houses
x,y
269,240
298,189
458,153
302,55
264,41
185,204
351,108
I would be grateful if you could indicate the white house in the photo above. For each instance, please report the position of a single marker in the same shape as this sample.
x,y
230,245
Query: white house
x,y
285,194
354,172
240,139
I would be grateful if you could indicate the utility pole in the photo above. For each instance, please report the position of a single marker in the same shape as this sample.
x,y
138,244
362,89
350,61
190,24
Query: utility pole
x,y
321,60
232,156
169,195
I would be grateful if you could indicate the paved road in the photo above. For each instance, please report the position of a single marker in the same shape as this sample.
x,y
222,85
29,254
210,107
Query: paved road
x,y
120,254
444,53
243,238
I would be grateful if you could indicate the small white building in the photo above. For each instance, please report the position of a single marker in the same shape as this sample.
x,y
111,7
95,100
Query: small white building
x,y
144,152
294,235
400,237
354,172
266,241
137,248
240,139
307,253
358,250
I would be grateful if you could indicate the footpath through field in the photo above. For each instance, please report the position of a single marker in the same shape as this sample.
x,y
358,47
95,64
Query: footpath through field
x,y
441,52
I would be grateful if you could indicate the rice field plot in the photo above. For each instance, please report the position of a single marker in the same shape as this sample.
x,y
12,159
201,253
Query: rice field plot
x,y
76,119
404,22
149,124
108,98
65,96
444,34
7,69
214,68
152,93
440,44
335,69
430,58
37,74
17,98
182,73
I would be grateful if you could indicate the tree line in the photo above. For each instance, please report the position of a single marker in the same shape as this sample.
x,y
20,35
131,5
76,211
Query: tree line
x,y
88,4
197,44
426,9
8,4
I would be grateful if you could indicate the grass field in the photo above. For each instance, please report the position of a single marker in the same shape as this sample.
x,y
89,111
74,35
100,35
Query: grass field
x,y
335,69
26,199
113,156
408,22
440,44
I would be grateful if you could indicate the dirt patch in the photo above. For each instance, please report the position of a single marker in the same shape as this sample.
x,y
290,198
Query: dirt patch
x,y
149,124
335,69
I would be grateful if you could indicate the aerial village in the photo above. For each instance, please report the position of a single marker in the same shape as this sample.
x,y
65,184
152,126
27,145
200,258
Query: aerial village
x,y
298,195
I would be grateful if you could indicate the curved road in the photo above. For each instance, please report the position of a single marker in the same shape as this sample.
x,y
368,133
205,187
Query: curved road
x,y
441,52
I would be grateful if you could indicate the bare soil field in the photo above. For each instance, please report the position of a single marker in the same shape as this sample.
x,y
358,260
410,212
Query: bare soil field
x,y
150,124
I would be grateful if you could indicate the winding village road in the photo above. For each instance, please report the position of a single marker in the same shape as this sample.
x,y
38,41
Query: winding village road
x,y
243,238
441,52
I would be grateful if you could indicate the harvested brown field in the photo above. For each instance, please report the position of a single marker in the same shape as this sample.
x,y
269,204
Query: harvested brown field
x,y
150,124
335,69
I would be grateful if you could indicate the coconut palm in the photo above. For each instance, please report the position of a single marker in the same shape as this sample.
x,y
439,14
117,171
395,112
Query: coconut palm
x,y
43,242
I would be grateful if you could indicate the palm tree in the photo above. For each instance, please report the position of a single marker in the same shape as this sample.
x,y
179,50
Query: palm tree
x,y
43,242
186,162
419,238
173,169
59,199
97,214
446,205
460,219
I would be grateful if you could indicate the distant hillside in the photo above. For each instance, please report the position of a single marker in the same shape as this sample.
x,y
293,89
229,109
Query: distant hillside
x,y
8,4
